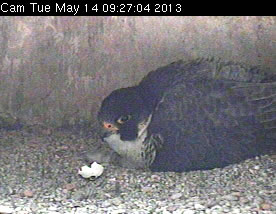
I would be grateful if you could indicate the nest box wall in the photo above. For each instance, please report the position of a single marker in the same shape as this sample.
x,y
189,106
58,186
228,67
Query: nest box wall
x,y
54,70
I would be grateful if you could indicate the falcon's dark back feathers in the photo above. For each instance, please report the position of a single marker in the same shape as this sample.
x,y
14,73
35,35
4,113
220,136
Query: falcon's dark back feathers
x,y
213,124
156,82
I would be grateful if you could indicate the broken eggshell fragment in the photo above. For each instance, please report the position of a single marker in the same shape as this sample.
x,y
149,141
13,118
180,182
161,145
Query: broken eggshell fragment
x,y
94,171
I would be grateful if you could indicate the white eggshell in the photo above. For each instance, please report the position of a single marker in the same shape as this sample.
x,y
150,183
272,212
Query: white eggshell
x,y
95,170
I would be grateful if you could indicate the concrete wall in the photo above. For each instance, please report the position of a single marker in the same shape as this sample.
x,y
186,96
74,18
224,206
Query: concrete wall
x,y
54,70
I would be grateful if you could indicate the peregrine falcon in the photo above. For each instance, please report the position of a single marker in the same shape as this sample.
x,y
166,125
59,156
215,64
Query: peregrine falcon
x,y
192,115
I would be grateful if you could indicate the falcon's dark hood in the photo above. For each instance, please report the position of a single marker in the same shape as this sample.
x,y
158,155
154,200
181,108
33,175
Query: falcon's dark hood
x,y
122,111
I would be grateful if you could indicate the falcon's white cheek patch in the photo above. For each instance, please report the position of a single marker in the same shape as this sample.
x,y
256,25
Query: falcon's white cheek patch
x,y
130,149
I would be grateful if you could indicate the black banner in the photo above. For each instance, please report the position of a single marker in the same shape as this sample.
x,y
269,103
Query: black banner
x,y
83,8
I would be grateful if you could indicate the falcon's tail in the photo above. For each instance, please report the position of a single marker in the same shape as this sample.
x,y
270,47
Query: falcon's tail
x,y
262,96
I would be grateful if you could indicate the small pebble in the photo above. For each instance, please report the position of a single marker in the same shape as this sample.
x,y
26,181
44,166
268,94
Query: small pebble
x,y
146,189
265,206
118,211
199,207
257,167
116,201
238,194
52,208
155,177
6,209
176,196
69,186
28,193
172,208
236,210
189,212
231,198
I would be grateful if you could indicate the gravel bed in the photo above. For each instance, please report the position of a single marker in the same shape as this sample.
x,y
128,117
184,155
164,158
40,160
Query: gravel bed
x,y
38,174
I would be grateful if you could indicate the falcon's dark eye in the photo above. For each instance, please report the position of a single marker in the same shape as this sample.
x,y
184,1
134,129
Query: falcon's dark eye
x,y
123,119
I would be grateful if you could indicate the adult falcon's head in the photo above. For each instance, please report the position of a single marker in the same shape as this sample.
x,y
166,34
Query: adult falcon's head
x,y
124,113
